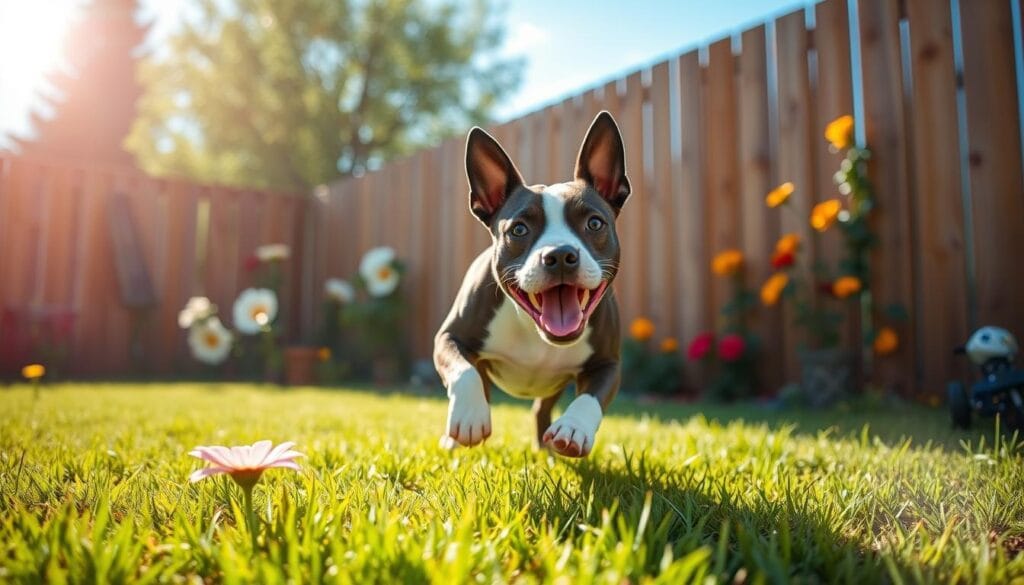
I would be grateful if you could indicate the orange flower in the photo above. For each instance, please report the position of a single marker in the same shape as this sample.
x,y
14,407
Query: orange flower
x,y
323,354
839,132
773,287
779,195
788,244
33,371
727,263
846,286
669,345
641,329
886,341
825,213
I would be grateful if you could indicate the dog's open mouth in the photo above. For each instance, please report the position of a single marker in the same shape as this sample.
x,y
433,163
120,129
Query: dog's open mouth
x,y
562,310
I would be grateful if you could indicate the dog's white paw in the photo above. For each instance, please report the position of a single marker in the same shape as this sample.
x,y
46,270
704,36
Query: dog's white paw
x,y
469,414
572,435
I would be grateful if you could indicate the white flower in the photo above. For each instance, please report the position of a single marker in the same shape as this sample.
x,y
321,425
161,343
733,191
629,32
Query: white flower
x,y
271,252
209,341
197,309
378,271
339,290
255,309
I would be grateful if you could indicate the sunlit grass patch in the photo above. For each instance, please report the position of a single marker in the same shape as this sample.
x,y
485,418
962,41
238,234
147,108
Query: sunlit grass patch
x,y
94,485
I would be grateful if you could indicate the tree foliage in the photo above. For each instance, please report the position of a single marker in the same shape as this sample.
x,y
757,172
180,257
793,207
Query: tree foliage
x,y
269,94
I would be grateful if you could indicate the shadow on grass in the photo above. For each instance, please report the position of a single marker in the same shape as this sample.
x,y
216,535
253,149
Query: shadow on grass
x,y
682,510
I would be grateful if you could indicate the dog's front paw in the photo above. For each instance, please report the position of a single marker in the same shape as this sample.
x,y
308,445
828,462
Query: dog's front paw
x,y
469,414
572,435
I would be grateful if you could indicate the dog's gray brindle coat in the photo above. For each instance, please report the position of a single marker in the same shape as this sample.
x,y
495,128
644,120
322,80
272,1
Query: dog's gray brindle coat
x,y
536,310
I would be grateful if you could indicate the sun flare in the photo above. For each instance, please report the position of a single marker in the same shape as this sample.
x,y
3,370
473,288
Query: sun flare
x,y
31,46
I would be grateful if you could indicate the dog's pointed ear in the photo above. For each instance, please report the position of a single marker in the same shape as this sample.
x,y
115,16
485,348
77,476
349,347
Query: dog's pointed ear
x,y
491,174
602,161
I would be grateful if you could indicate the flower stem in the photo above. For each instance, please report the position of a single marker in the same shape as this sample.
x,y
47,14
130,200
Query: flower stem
x,y
250,517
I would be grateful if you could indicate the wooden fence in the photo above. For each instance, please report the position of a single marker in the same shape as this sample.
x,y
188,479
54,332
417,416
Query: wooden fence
x,y
58,262
707,134
710,131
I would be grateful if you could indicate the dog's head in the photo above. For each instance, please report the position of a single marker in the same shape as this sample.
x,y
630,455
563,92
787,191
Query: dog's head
x,y
556,251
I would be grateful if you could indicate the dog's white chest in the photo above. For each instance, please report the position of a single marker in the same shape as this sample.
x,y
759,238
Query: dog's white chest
x,y
524,365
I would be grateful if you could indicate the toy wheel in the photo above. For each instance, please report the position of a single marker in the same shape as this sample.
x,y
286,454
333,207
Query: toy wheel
x,y
959,407
1013,416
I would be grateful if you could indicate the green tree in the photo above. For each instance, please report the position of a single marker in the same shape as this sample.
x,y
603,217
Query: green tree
x,y
263,93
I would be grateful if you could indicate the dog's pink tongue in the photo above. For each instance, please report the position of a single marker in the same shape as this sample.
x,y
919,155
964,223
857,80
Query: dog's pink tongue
x,y
561,313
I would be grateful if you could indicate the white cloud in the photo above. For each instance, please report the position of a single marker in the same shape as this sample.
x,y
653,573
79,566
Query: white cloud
x,y
525,37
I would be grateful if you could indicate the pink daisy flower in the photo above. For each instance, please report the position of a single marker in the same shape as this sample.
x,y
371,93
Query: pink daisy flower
x,y
245,463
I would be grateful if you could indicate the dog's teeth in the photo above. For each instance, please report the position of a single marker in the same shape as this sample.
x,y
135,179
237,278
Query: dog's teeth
x,y
535,301
585,297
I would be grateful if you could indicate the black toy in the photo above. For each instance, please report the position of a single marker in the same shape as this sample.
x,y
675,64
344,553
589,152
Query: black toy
x,y
1000,390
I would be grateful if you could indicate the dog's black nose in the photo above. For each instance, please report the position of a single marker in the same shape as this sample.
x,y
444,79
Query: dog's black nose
x,y
562,256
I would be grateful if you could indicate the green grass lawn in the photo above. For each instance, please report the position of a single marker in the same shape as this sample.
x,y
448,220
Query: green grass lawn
x,y
93,488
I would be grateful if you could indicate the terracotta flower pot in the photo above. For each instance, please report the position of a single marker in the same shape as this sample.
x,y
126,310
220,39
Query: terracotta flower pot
x,y
300,366
826,376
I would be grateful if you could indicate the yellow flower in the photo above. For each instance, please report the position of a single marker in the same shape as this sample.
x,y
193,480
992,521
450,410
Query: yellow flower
x,y
641,329
33,371
323,354
773,287
788,244
669,345
727,263
779,195
839,132
825,213
886,341
845,286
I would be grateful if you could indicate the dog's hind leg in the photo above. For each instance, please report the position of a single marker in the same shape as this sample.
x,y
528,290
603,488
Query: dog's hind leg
x,y
542,413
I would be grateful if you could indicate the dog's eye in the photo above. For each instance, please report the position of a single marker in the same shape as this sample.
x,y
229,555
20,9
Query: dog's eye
x,y
519,230
595,223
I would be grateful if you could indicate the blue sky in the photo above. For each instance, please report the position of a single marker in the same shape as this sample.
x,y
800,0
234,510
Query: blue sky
x,y
569,45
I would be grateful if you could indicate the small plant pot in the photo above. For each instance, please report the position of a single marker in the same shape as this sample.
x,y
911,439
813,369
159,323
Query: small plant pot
x,y
300,366
826,376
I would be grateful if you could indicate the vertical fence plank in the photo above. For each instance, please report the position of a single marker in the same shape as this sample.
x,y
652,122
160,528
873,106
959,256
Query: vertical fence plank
x,y
95,294
523,155
942,288
760,226
662,298
145,200
181,203
571,129
794,161
993,133
417,284
721,182
60,239
224,255
633,271
22,235
447,219
688,210
251,218
540,154
833,97
892,267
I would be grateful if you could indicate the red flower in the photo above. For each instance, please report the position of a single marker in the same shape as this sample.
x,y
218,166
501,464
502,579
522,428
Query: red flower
x,y
700,346
782,260
731,347
252,262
